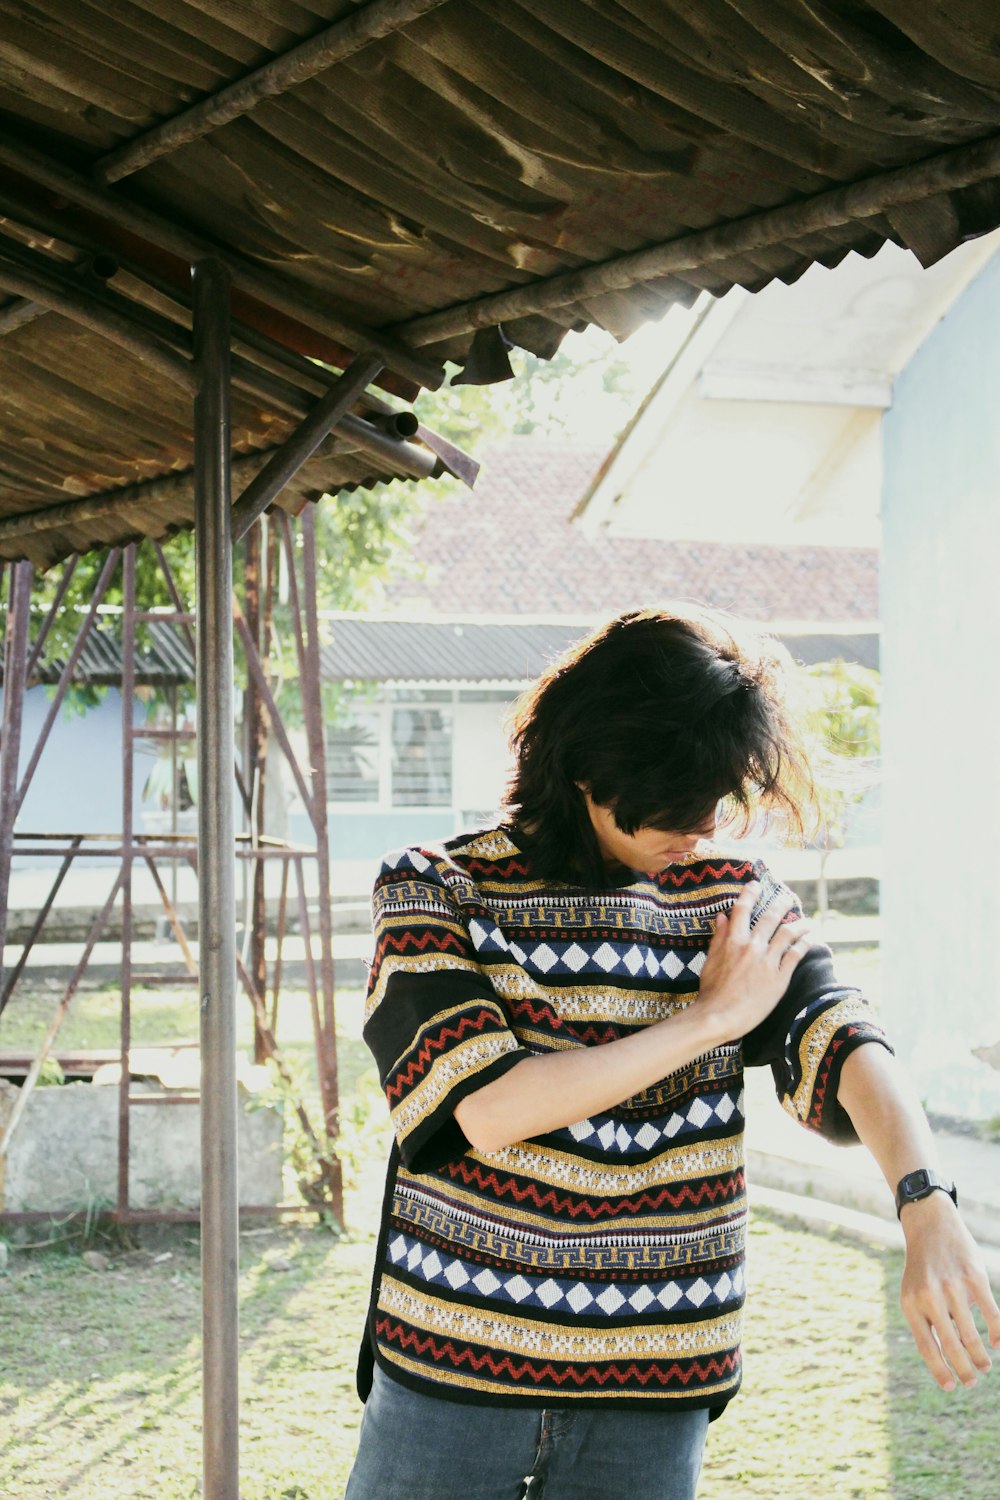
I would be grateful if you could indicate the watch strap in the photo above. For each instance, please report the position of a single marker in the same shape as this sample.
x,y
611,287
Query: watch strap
x,y
920,1184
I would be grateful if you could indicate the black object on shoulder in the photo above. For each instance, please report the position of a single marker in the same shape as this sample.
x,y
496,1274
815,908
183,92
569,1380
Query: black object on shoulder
x,y
920,1184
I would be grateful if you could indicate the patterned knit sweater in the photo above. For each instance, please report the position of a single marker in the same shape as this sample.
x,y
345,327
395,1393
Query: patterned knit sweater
x,y
602,1261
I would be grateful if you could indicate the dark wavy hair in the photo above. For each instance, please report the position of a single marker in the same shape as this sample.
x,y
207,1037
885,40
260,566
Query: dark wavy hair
x,y
662,714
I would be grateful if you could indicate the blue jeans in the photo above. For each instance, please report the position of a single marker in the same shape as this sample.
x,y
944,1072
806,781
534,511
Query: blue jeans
x,y
416,1447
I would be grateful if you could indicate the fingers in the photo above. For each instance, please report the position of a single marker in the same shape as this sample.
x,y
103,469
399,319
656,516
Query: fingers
x,y
770,920
990,1311
738,917
972,1342
981,1296
797,949
930,1353
946,1335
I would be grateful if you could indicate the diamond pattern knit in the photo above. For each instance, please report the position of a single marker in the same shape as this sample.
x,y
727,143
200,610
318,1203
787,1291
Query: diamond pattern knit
x,y
603,1259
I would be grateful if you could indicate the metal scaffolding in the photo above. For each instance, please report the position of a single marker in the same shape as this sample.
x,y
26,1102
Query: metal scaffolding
x,y
256,846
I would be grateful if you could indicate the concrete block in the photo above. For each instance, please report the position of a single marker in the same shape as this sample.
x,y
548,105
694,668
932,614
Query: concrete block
x,y
64,1153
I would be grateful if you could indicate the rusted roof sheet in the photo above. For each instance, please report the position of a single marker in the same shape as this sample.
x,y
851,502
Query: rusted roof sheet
x,y
487,148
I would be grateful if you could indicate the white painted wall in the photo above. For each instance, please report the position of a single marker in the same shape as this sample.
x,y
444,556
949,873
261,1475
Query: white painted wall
x,y
941,716
481,757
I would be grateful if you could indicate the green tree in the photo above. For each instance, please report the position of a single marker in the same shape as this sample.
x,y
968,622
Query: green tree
x,y
843,712
555,397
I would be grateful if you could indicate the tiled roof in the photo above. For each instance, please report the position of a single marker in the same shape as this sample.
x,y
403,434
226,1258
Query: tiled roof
x,y
510,549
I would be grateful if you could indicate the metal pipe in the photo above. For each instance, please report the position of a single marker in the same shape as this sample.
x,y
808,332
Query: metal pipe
x,y
398,424
19,580
53,612
180,851
84,307
10,982
256,672
20,312
176,927
301,444
216,886
945,172
184,616
27,1087
274,293
158,1215
253,952
128,773
343,39
352,430
311,707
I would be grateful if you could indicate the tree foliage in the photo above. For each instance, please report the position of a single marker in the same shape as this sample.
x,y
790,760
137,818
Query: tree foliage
x,y
844,702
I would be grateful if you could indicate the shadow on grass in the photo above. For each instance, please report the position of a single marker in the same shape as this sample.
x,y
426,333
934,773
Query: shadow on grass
x,y
101,1371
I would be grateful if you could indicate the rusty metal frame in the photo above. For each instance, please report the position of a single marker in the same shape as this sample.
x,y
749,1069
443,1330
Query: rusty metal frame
x,y
945,171
254,849
15,673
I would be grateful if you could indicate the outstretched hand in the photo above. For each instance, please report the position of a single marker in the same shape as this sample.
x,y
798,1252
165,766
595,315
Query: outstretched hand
x,y
943,1281
748,969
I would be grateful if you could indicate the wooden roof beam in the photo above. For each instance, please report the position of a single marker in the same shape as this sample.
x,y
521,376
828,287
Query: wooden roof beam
x,y
345,37
191,247
945,172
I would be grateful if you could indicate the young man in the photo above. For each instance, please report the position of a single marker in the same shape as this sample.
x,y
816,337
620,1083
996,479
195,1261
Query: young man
x,y
561,1009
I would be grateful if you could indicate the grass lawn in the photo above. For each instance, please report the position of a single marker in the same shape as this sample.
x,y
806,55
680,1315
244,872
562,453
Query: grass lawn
x,y
99,1369
99,1372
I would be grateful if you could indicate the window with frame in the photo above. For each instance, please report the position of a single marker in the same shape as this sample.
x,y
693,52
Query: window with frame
x,y
353,756
421,755
394,753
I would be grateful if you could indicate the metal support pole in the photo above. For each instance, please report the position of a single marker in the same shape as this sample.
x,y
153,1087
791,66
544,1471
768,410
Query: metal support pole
x,y
128,776
255,772
216,886
19,578
312,709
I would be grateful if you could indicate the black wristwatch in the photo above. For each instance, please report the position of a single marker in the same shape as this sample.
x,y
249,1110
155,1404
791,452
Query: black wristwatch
x,y
920,1184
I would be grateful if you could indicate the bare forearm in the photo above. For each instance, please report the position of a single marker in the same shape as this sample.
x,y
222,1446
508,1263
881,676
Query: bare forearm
x,y
886,1112
944,1277
558,1088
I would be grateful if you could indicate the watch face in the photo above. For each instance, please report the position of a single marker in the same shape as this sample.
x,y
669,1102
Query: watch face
x,y
915,1183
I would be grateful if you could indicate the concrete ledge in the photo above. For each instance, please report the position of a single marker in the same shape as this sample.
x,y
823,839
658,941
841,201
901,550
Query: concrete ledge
x,y
819,1213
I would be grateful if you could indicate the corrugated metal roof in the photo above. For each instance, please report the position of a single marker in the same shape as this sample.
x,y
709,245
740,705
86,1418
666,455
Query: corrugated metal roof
x,y
592,161
362,649
359,649
163,658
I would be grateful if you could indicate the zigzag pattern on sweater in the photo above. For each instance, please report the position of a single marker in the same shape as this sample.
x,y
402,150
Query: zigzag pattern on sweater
x,y
601,1259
